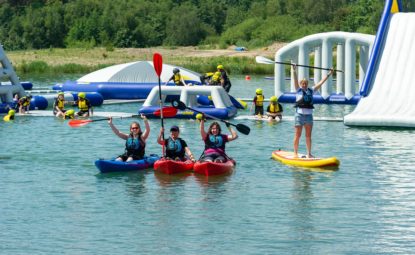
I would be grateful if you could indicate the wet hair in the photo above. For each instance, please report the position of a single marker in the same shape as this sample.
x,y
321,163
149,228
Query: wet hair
x,y
217,126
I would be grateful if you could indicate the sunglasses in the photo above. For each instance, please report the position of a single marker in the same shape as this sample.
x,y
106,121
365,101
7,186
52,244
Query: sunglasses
x,y
134,128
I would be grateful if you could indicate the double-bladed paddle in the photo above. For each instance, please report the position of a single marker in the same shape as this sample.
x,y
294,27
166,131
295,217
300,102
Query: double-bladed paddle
x,y
240,127
264,60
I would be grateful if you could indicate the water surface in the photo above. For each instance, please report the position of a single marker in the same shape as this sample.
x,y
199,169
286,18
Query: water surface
x,y
54,200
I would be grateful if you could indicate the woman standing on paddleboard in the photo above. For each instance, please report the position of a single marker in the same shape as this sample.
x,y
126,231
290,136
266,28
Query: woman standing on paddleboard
x,y
215,141
135,141
304,110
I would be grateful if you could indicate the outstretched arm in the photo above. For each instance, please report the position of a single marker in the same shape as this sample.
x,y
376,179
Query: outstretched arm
x,y
320,83
147,125
297,86
116,131
160,137
233,135
202,129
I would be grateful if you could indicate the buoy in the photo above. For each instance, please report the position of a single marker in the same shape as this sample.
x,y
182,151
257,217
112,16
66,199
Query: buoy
x,y
248,78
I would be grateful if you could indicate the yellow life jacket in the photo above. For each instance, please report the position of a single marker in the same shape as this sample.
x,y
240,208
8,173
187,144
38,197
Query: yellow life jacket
x,y
177,78
61,104
216,78
6,118
274,108
82,105
25,101
259,100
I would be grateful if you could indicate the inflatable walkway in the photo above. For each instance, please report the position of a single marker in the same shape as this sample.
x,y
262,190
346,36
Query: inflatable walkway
x,y
388,90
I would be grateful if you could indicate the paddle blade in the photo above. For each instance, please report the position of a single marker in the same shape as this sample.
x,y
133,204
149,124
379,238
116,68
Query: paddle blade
x,y
243,129
157,63
179,104
168,112
78,123
263,60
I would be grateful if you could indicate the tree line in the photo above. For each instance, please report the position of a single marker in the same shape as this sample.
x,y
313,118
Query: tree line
x,y
38,24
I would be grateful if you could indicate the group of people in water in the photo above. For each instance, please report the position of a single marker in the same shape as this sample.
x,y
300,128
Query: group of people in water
x,y
174,147
218,78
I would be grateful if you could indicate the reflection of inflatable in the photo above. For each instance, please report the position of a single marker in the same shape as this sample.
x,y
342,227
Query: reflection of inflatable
x,y
126,81
222,106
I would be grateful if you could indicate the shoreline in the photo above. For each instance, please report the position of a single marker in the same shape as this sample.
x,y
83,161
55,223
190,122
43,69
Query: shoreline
x,y
73,60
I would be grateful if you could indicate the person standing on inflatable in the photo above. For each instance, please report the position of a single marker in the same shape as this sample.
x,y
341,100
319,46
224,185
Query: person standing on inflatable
x,y
304,109
85,107
24,104
177,78
135,141
258,102
224,78
215,141
274,109
176,147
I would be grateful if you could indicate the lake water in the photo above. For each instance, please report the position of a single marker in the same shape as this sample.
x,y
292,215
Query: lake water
x,y
53,200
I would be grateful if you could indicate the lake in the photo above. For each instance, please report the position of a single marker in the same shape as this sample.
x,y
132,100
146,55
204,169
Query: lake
x,y
53,199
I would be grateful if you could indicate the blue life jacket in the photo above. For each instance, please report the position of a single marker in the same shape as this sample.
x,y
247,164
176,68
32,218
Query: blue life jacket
x,y
214,141
306,98
135,146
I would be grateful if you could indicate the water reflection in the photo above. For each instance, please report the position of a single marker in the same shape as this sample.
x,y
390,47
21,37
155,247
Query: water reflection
x,y
166,180
135,181
214,181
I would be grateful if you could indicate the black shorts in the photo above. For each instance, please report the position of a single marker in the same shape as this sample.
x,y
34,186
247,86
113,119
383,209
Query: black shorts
x,y
259,110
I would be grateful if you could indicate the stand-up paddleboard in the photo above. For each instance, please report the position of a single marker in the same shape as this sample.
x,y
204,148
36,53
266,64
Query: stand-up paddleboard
x,y
287,157
257,117
286,118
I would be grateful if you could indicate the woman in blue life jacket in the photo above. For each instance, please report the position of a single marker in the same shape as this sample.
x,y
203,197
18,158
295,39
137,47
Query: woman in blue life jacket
x,y
215,141
175,147
135,141
304,109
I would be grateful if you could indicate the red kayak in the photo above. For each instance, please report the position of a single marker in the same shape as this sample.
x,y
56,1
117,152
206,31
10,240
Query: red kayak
x,y
214,168
168,166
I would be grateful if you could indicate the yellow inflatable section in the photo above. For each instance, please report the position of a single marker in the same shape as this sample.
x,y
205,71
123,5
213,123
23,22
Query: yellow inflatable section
x,y
287,157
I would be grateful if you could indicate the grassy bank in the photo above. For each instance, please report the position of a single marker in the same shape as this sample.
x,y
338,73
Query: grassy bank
x,y
88,60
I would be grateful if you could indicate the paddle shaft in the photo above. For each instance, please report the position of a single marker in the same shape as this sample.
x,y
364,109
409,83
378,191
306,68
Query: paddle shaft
x,y
158,65
264,60
132,116
210,116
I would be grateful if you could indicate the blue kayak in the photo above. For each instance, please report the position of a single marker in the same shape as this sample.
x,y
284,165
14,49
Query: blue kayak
x,y
110,165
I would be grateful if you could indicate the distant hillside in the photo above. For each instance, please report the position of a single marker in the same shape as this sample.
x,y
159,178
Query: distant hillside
x,y
40,24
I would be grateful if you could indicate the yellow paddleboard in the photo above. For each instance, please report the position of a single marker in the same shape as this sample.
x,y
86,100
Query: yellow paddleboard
x,y
287,157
